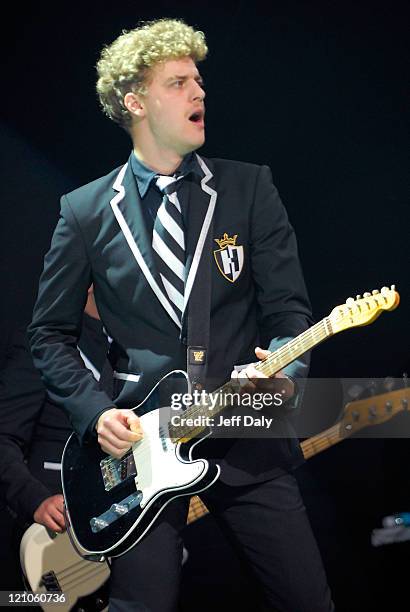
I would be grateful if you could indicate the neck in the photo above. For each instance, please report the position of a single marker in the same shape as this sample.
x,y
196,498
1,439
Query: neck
x,y
161,164
161,159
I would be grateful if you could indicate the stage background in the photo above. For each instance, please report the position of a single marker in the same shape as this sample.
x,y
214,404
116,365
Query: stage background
x,y
316,90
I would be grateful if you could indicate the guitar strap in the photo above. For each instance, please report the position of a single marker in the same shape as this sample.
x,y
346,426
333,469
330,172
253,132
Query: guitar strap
x,y
198,320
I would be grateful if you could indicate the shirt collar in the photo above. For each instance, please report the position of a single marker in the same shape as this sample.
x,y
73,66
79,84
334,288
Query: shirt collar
x,y
144,175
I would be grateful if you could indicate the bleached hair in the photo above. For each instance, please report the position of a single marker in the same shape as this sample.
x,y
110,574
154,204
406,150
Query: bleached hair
x,y
124,64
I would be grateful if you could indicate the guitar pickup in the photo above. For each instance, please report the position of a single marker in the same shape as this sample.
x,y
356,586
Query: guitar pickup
x,y
50,582
116,471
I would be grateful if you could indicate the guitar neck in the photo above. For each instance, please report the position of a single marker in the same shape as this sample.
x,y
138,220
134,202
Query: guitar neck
x,y
320,442
276,361
293,349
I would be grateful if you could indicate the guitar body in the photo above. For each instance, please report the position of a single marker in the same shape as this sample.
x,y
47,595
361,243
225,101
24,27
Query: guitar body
x,y
110,504
50,564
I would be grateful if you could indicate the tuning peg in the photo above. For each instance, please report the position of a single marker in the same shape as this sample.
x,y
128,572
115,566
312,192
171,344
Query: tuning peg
x,y
355,391
350,301
366,294
393,287
388,383
375,291
358,297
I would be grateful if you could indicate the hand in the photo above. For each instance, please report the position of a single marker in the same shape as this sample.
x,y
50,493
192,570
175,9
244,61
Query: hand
x,y
50,513
252,380
118,429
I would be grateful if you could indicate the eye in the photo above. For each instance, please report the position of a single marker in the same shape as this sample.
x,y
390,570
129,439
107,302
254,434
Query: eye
x,y
179,83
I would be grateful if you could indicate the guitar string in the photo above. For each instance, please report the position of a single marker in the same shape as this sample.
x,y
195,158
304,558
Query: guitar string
x,y
89,572
70,568
301,341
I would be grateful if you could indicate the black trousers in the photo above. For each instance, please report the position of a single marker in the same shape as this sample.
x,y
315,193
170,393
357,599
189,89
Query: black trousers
x,y
268,527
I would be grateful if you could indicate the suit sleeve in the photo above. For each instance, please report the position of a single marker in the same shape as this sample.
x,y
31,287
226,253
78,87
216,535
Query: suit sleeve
x,y
21,399
283,304
56,326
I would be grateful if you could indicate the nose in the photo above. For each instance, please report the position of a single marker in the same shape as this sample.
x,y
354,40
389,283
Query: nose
x,y
198,92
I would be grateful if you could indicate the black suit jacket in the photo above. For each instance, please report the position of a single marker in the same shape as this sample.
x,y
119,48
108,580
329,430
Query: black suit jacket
x,y
33,430
101,239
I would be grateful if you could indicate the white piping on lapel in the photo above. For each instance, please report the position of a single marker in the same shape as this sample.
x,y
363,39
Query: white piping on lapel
x,y
204,230
118,186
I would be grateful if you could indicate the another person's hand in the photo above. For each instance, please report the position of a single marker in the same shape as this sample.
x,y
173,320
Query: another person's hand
x,y
118,429
252,380
50,513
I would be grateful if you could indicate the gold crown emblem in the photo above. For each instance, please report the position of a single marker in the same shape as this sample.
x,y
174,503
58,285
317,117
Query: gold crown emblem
x,y
199,356
223,242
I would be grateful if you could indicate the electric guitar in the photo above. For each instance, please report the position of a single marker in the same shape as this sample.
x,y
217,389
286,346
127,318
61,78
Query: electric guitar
x,y
112,503
356,415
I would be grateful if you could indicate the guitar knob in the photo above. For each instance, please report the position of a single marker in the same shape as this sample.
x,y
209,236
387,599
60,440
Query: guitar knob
x,y
366,294
358,297
393,287
350,301
375,291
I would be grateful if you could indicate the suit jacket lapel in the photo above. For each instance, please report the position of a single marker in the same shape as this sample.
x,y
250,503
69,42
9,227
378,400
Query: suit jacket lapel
x,y
202,200
127,208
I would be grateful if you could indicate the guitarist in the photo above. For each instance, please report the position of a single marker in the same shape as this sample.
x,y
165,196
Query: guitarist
x,y
33,432
141,246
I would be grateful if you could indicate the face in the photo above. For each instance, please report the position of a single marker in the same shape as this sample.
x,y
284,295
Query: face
x,y
173,108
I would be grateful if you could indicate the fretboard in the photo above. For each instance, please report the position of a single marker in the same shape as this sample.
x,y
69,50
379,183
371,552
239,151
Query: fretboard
x,y
322,441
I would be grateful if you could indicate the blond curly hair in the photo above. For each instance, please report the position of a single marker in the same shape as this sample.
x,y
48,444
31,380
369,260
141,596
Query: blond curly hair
x,y
124,64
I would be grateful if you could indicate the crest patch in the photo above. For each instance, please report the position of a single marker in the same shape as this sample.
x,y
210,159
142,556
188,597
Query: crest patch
x,y
229,257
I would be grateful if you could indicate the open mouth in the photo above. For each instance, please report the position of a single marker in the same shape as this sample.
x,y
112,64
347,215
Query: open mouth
x,y
197,117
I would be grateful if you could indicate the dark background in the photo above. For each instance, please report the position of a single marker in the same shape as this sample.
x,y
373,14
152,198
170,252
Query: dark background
x,y
316,90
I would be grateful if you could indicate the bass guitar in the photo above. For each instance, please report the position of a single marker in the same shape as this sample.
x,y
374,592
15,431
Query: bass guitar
x,y
50,565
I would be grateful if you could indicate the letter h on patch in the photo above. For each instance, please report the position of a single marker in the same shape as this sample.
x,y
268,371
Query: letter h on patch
x,y
229,258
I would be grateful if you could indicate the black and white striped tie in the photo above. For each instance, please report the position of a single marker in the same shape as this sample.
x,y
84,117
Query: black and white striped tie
x,y
168,243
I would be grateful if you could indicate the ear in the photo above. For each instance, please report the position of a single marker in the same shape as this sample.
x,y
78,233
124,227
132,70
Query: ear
x,y
133,104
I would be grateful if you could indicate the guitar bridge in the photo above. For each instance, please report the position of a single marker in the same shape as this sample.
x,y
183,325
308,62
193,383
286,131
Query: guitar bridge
x,y
116,471
98,523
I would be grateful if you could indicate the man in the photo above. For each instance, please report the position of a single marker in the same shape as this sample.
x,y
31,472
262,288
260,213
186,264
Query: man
x,y
143,255
33,432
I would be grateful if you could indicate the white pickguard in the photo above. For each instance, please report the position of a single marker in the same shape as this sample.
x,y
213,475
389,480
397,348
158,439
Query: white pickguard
x,y
158,463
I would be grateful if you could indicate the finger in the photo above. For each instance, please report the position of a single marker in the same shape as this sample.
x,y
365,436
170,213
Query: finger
x,y
51,523
108,438
120,431
59,503
134,425
261,353
113,451
252,372
57,517
246,385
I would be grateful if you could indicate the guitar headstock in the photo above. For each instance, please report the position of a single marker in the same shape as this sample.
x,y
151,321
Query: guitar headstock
x,y
363,310
374,410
